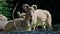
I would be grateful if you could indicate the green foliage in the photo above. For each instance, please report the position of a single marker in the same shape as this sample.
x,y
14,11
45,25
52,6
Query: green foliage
x,y
5,8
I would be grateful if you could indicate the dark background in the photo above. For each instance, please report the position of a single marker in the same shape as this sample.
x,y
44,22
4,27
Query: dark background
x,y
51,5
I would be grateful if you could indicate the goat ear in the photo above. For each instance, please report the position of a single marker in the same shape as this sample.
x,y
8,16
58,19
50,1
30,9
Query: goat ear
x,y
25,6
34,6
19,14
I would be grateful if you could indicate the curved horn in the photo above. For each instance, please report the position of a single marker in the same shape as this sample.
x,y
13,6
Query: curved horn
x,y
34,6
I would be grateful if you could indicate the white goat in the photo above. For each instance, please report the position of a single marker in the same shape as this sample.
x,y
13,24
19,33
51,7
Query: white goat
x,y
43,15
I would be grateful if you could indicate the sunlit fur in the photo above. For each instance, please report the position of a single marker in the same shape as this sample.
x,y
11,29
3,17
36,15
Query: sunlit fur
x,y
44,17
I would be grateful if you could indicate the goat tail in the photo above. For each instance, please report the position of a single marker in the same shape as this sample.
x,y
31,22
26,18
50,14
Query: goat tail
x,y
49,19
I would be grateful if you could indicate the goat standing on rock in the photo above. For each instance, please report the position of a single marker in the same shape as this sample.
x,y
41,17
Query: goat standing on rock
x,y
43,15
